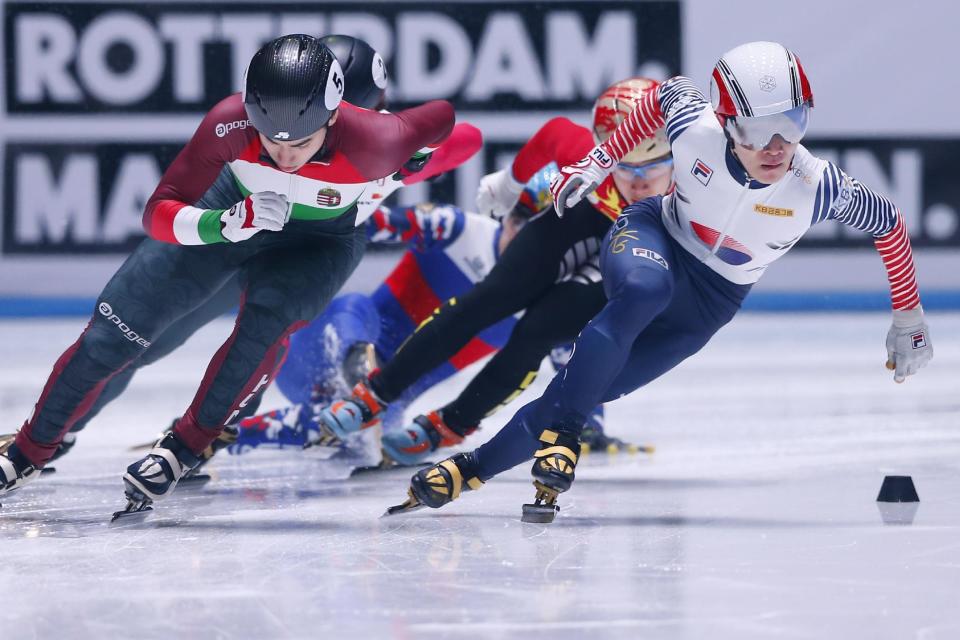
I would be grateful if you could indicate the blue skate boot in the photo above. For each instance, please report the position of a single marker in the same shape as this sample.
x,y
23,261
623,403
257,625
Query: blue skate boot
x,y
442,483
155,476
360,411
553,470
411,444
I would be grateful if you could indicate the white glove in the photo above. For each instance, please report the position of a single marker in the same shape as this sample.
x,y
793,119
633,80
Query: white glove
x,y
580,178
498,193
258,211
908,344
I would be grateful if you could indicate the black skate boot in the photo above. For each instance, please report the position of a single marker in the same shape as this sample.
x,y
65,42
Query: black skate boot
x,y
69,439
15,469
553,472
227,437
155,476
442,483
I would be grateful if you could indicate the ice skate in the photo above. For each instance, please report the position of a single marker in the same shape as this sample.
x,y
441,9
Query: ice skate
x,y
155,476
594,438
360,411
15,469
411,444
227,437
442,483
69,439
553,472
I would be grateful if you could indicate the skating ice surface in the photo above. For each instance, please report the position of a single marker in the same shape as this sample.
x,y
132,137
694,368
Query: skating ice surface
x,y
755,518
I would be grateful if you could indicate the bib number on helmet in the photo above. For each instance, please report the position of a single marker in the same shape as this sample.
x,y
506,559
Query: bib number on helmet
x,y
334,89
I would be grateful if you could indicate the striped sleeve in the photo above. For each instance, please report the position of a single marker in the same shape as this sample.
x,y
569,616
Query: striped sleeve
x,y
849,202
682,104
642,123
177,223
169,215
675,104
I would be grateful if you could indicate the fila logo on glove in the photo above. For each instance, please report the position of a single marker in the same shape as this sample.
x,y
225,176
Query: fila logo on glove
x,y
601,158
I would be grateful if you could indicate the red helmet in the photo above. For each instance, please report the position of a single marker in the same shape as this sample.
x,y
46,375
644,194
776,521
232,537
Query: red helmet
x,y
614,105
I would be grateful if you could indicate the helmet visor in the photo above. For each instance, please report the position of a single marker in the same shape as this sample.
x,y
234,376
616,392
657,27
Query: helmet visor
x,y
757,132
646,170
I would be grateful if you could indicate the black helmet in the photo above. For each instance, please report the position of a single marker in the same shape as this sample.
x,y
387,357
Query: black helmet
x,y
363,70
293,86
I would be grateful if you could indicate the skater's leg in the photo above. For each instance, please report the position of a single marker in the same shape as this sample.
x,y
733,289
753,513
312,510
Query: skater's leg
x,y
701,303
553,320
285,289
220,303
527,268
639,276
152,288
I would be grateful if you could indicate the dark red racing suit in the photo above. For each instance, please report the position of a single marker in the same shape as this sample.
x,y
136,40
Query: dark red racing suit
x,y
286,277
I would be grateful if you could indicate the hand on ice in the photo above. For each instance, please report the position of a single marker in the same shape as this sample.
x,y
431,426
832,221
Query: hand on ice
x,y
908,344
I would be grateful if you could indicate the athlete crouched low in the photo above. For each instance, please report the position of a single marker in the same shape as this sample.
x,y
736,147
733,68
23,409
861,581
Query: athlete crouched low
x,y
281,192
676,269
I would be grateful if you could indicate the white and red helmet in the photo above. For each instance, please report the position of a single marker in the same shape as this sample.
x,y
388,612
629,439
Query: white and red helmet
x,y
759,90
614,105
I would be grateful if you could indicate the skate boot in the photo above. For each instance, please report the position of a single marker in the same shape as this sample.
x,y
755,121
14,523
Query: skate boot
x,y
442,483
412,443
553,472
155,476
227,437
360,411
594,438
69,439
15,469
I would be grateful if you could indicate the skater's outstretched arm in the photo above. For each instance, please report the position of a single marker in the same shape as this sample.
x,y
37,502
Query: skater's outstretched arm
x,y
850,202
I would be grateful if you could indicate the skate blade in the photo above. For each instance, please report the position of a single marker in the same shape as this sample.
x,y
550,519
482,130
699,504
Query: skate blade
x,y
326,446
132,514
194,481
47,471
410,505
539,513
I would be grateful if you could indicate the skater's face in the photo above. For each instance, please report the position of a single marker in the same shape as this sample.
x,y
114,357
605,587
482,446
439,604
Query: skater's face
x,y
636,182
769,164
291,155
